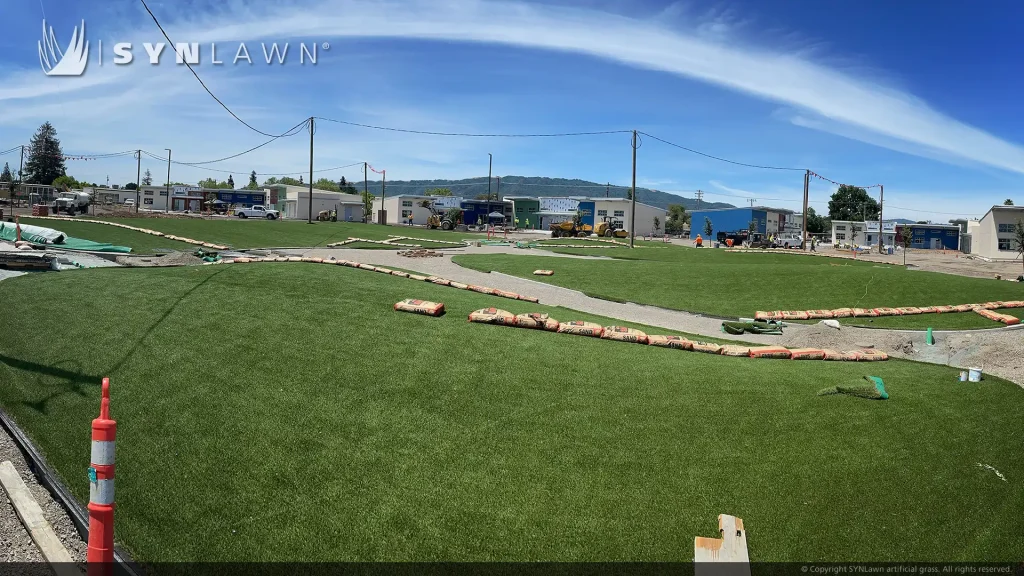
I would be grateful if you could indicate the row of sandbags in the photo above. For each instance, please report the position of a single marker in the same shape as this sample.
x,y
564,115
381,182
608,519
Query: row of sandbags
x,y
393,238
137,229
1007,319
625,334
361,266
352,240
875,312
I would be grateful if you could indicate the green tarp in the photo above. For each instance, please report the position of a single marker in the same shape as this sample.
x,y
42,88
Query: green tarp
x,y
9,232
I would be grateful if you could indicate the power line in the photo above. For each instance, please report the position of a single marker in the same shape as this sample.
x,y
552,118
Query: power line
x,y
472,135
719,158
203,84
294,130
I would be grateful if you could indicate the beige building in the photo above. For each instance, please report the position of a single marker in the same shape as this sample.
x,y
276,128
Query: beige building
x,y
400,207
293,202
993,235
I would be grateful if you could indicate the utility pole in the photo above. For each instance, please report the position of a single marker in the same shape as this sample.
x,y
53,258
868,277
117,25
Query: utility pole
x,y
752,200
383,211
366,194
632,210
881,200
167,204
490,160
700,194
138,179
21,167
310,170
497,191
607,189
807,183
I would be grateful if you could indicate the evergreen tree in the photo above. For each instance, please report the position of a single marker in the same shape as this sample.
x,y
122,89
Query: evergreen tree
x,y
45,161
253,184
6,175
147,178
231,182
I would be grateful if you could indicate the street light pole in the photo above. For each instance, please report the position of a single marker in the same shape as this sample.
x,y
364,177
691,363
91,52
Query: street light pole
x,y
167,204
138,179
489,163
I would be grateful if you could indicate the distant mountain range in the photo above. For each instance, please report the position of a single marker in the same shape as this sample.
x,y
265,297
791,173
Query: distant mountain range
x,y
538,187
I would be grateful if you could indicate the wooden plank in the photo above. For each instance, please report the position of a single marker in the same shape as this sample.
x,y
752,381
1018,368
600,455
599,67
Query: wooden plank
x,y
731,548
31,516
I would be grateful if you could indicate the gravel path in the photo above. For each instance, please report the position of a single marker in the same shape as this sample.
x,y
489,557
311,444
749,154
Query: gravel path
x,y
15,543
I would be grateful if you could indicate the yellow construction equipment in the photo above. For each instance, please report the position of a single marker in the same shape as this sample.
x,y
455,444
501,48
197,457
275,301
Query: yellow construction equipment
x,y
609,229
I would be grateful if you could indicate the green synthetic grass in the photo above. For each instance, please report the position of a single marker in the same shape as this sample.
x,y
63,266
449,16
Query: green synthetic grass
x,y
285,412
737,285
954,321
139,243
258,233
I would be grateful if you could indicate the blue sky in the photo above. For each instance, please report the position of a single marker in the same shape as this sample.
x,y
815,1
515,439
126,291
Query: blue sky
x,y
922,97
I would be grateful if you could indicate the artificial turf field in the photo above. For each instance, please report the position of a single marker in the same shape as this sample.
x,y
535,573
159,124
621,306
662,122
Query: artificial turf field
x,y
250,233
730,285
285,412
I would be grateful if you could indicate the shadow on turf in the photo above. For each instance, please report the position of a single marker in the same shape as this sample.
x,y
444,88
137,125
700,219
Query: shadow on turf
x,y
74,380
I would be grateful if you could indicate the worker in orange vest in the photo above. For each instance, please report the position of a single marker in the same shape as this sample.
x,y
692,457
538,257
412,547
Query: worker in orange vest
x,y
699,241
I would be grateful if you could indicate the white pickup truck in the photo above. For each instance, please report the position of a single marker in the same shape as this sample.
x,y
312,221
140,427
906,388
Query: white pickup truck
x,y
257,212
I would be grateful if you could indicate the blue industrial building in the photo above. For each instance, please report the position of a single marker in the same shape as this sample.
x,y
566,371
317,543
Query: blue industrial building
x,y
933,236
474,211
732,220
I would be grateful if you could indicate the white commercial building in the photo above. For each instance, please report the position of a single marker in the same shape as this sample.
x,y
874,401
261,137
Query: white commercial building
x,y
400,207
993,235
293,202
862,233
619,211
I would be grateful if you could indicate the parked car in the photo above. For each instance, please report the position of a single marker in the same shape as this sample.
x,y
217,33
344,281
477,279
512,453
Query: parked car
x,y
788,241
257,212
129,203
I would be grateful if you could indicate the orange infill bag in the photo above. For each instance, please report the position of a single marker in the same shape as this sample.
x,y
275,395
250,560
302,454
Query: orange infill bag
x,y
735,350
993,315
532,299
581,328
888,312
1014,304
926,309
421,307
853,356
966,307
842,313
873,356
795,315
493,316
543,272
772,315
624,334
480,289
832,355
770,352
537,321
677,342
807,354
707,347
864,312
908,310
819,314
944,309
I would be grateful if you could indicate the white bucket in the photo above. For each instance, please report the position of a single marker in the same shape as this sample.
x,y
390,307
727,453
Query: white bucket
x,y
963,375
974,375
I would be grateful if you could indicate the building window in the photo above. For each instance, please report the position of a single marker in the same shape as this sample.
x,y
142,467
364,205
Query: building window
x,y
406,213
532,209
840,236
149,192
1006,244
951,232
841,227
602,212
406,203
163,192
620,213
1006,228
869,238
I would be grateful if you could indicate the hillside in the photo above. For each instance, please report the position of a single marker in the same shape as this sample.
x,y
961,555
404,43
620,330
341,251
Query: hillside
x,y
537,186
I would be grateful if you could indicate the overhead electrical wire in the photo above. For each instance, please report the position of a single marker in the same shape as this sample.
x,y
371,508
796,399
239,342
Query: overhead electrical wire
x,y
472,135
203,84
663,141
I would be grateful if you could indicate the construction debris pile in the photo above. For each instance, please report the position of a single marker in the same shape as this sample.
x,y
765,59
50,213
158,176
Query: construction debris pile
x,y
422,253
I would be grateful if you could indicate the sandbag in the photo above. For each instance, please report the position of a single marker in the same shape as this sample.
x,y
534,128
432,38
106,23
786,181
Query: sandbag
x,y
537,321
382,270
399,273
852,356
707,347
543,272
1007,319
864,312
945,309
1013,304
772,315
243,260
795,315
735,350
366,267
624,334
807,354
819,314
420,307
908,310
770,352
992,305
888,312
505,294
493,316
458,285
842,313
480,289
439,281
873,356
417,277
531,299
677,342
832,355
581,328
964,307
299,259
926,309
